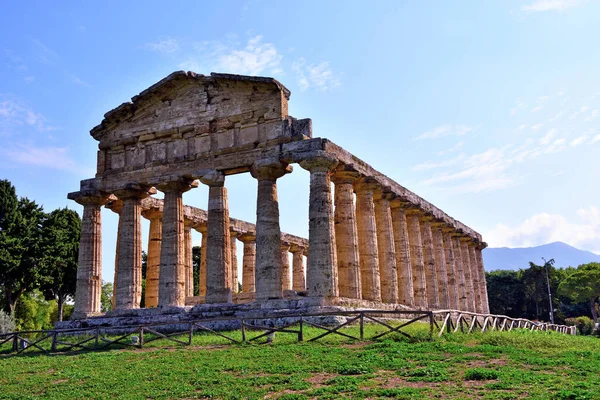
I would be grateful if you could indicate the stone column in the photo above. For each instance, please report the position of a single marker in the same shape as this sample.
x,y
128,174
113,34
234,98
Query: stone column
x,y
460,273
268,232
321,273
172,277
298,281
234,262
430,263
88,288
464,253
416,258
385,247
402,250
453,297
189,259
475,278
218,256
153,260
202,275
346,234
286,279
116,206
129,274
483,286
248,262
440,266
367,239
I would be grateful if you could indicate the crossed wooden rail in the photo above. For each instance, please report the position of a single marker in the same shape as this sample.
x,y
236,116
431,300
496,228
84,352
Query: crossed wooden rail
x,y
96,338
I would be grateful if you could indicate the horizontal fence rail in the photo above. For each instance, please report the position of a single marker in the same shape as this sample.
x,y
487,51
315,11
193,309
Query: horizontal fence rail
x,y
182,332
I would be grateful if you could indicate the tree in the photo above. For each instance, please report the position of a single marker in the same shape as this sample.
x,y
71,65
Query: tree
x,y
106,297
20,233
60,248
583,285
506,293
196,251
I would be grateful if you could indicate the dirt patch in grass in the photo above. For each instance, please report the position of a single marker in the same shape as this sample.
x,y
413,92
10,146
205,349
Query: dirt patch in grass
x,y
318,380
390,380
60,381
487,362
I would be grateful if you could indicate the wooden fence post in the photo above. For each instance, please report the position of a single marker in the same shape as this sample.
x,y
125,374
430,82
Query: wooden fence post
x,y
362,325
300,332
243,331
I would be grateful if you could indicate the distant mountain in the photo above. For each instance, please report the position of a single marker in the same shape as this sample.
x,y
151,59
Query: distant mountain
x,y
515,258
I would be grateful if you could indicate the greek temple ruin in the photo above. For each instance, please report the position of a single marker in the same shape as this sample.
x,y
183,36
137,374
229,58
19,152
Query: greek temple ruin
x,y
371,244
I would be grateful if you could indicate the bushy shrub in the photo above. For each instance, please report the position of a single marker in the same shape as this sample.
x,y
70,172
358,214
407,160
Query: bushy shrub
x,y
7,323
585,326
480,374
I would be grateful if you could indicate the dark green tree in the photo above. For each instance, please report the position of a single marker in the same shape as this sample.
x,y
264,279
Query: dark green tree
x,y
144,269
506,293
196,251
60,249
536,290
583,285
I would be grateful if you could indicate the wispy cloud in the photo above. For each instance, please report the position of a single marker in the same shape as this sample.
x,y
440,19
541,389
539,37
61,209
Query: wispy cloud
x,y
78,81
165,46
582,232
55,158
14,113
320,75
445,130
552,5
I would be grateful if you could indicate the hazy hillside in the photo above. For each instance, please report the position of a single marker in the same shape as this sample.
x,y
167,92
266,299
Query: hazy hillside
x,y
515,258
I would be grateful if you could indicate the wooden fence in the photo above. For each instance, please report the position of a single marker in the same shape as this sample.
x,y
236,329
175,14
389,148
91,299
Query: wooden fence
x,y
99,338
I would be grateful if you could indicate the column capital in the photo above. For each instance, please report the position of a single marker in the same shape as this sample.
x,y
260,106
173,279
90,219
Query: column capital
x,y
425,217
188,223
285,246
383,193
466,239
180,185
398,202
89,198
201,227
481,245
135,191
321,162
269,169
296,248
114,204
366,184
213,178
247,237
234,234
152,213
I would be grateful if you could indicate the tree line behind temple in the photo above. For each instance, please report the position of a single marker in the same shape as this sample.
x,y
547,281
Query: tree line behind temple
x,y
38,270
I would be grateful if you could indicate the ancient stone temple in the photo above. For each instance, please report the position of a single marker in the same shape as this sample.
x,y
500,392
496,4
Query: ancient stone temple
x,y
372,243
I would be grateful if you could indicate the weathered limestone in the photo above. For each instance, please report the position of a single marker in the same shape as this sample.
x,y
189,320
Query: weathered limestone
x,y
89,272
218,255
460,273
172,278
204,247
475,278
416,259
346,234
430,263
385,247
466,261
440,267
189,259
248,262
321,274
234,261
483,287
268,233
453,297
286,279
153,260
402,250
298,278
129,276
367,240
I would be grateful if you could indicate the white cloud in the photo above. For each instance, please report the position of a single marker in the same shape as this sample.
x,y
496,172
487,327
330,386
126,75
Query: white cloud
x,y
445,130
452,149
536,127
548,137
583,232
577,141
253,59
536,109
595,139
165,46
552,5
78,81
14,113
48,157
320,75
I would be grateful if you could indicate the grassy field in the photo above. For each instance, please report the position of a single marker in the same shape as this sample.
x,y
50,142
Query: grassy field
x,y
492,365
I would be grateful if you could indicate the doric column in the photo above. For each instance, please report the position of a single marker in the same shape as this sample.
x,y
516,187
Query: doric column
x,y
298,280
189,259
129,275
367,240
460,274
234,262
248,262
218,256
321,273
483,286
286,278
203,250
402,251
89,265
475,277
385,248
172,277
153,260
453,298
416,258
346,234
466,260
116,206
430,263
268,232
440,266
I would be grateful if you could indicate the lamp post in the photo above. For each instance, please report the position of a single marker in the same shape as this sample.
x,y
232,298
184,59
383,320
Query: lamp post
x,y
547,267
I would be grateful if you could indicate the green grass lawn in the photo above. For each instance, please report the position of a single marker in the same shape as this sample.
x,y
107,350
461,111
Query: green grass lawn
x,y
494,365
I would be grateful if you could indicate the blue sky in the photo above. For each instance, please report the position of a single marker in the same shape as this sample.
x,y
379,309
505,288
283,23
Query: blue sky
x,y
488,109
